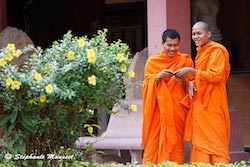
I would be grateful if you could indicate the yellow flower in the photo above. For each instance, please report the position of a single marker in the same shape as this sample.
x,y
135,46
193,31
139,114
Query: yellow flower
x,y
123,68
42,98
8,57
71,132
120,57
81,42
70,55
90,52
49,88
91,59
131,74
8,82
3,62
15,85
91,56
92,80
11,47
133,107
16,53
47,68
38,77
106,44
105,68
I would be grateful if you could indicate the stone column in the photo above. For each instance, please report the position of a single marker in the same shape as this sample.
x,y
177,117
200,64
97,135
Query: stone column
x,y
3,15
163,14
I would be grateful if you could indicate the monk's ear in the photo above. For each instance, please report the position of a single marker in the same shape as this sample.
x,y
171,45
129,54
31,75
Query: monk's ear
x,y
209,34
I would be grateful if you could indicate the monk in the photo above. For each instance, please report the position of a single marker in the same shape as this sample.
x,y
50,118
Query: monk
x,y
162,92
208,124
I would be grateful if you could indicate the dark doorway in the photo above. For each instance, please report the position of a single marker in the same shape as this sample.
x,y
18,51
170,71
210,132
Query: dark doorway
x,y
234,22
45,20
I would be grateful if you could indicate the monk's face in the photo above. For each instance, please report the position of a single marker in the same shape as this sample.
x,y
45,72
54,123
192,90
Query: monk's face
x,y
200,35
171,46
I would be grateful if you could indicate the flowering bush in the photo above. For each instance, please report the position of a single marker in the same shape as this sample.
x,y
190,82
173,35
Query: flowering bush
x,y
45,105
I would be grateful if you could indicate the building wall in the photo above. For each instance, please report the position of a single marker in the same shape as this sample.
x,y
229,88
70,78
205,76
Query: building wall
x,y
234,23
239,100
3,16
163,14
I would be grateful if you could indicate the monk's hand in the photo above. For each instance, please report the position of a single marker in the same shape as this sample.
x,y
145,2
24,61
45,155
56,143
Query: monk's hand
x,y
191,89
165,73
184,71
181,79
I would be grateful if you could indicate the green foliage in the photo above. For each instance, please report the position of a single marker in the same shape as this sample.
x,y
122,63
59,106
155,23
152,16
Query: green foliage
x,y
47,103
75,163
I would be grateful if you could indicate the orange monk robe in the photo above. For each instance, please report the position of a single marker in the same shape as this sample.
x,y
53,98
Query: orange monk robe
x,y
163,114
208,122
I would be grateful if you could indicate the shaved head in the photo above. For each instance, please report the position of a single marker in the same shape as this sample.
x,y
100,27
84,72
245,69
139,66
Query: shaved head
x,y
202,25
201,33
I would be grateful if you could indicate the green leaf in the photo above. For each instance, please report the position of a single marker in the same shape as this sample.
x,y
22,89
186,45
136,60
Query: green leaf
x,y
26,120
11,143
27,123
86,125
9,131
4,120
103,134
28,127
24,163
22,146
2,165
13,116
40,163
97,126
90,130
89,147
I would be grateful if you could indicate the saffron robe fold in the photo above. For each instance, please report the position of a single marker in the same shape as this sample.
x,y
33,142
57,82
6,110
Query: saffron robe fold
x,y
163,114
208,123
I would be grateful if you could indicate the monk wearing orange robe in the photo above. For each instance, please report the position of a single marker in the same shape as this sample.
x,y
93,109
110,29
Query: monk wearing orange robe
x,y
163,113
208,123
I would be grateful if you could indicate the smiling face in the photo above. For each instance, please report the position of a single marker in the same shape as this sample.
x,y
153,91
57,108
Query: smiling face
x,y
171,46
201,34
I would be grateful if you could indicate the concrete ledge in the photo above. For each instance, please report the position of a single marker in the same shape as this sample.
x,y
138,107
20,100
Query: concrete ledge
x,y
119,143
237,156
123,133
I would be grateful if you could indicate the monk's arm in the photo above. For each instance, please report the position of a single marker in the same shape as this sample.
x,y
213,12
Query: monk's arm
x,y
191,75
215,67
